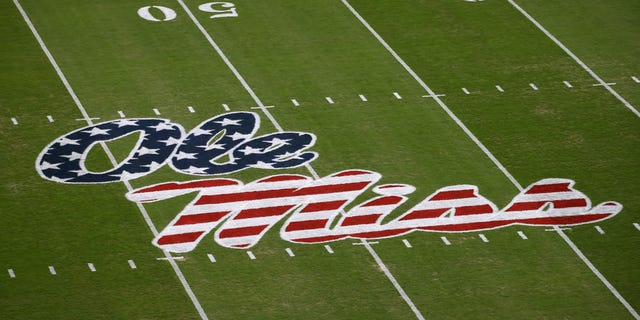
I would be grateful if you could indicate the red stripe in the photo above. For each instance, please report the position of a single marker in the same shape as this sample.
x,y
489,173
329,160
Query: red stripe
x,y
423,214
383,201
242,231
366,219
571,203
263,212
283,177
201,218
350,173
306,225
468,210
180,238
332,188
534,205
455,194
188,185
323,206
318,239
549,188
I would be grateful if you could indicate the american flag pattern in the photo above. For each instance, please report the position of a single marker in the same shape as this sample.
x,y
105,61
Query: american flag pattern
x,y
242,214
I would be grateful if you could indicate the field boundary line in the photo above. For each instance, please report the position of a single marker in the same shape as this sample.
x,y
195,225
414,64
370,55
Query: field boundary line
x,y
575,58
265,110
557,229
89,121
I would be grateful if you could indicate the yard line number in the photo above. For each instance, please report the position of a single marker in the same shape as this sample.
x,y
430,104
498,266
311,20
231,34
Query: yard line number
x,y
160,13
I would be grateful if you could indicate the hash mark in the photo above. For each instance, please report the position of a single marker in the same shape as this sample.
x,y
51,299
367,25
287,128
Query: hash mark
x,y
52,270
362,97
328,248
635,224
566,83
251,255
211,258
226,107
289,252
11,273
397,95
50,118
483,238
533,86
406,243
465,91
445,240
156,111
91,267
329,100
191,110
295,102
522,235
121,114
634,78
14,121
600,231
500,88
132,264
604,84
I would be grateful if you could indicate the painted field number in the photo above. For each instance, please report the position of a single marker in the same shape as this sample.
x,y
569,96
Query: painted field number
x,y
160,13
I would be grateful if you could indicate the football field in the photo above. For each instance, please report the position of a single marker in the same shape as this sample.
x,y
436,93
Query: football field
x,y
320,159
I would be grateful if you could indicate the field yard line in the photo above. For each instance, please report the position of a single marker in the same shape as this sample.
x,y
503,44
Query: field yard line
x,y
490,155
84,113
575,58
313,172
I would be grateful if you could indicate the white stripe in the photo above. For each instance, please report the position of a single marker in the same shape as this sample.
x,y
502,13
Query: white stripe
x,y
397,95
566,83
406,243
87,118
483,238
295,102
635,79
328,248
191,110
599,229
499,88
329,100
362,97
211,258
11,273
575,58
226,107
445,240
50,118
465,91
132,264
289,252
251,255
52,270
14,121
604,84
533,86
91,267
121,114
522,235
156,111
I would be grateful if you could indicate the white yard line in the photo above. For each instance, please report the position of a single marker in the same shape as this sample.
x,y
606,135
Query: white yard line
x,y
490,155
89,121
575,58
262,107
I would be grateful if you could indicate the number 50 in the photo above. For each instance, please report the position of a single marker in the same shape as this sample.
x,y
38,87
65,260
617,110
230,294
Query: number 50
x,y
219,10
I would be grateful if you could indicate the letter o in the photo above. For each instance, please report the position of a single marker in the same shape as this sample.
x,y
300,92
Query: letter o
x,y
145,13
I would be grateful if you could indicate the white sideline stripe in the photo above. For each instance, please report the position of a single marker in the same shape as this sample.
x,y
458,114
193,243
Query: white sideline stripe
x,y
328,248
635,79
576,59
407,243
483,238
251,255
533,86
363,98
279,128
522,235
91,267
295,102
397,95
52,270
226,107
132,264
329,100
11,273
85,115
566,83
635,224
191,110
465,91
14,121
156,111
121,114
289,252
600,231
499,88
211,258
490,155
445,240
50,118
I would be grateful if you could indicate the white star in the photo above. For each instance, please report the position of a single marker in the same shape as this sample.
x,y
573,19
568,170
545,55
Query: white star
x,y
64,141
248,150
171,141
97,131
238,136
277,141
289,155
163,126
126,175
73,156
144,150
228,122
153,166
199,132
46,165
126,122
195,170
56,179
183,155
262,165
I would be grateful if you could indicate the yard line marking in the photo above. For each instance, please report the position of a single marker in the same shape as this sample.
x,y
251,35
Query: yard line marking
x,y
14,121
395,94
121,114
171,258
490,155
362,97
434,95
465,91
226,107
634,78
604,84
576,59
289,252
89,121
156,111
445,240
362,243
50,118
533,86
566,83
406,243
600,231
91,267
251,255
329,100
266,112
132,264
328,248
191,110
11,273
635,224
483,238
263,107
85,119
522,235
295,102
211,258
52,270
499,88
